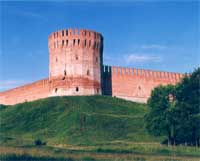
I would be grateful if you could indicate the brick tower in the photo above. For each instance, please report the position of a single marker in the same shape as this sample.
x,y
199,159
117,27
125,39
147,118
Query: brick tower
x,y
75,61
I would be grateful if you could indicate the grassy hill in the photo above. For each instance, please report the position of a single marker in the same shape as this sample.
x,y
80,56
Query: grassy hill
x,y
74,120
80,126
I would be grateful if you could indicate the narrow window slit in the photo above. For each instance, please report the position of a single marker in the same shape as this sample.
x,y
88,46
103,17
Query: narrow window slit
x,y
56,90
88,72
67,42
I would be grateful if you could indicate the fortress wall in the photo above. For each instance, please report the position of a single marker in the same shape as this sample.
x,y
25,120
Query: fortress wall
x,y
47,88
137,84
29,92
76,68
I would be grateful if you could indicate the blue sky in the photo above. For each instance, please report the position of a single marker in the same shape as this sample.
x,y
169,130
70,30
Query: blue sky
x,y
157,35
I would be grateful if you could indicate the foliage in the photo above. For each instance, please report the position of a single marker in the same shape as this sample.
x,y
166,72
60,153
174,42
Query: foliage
x,y
175,111
39,142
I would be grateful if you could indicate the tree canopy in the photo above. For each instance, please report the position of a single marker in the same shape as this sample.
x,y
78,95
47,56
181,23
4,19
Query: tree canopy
x,y
174,111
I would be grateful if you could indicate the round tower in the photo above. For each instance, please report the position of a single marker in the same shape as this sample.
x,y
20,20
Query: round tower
x,y
75,60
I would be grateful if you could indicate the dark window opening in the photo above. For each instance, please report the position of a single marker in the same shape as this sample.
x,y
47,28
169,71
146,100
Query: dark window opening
x,y
85,43
78,41
54,35
89,33
56,90
77,89
56,59
74,41
63,32
94,45
63,42
66,32
88,72
67,42
139,88
96,59
57,34
65,73
76,57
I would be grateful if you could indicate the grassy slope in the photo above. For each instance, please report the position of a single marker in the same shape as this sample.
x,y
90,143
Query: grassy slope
x,y
74,120
97,127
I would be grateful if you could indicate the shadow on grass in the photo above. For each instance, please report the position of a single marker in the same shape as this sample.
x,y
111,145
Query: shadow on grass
x,y
25,157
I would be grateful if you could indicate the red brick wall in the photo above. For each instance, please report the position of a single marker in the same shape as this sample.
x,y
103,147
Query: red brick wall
x,y
47,88
29,92
137,84
132,84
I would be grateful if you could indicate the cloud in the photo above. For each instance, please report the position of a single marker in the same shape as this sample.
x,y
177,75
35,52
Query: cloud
x,y
131,59
153,46
140,58
8,84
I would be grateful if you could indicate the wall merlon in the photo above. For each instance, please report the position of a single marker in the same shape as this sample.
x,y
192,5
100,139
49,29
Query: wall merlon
x,y
146,73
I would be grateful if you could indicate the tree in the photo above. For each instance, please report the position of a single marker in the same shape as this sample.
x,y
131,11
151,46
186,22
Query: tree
x,y
188,104
160,116
174,111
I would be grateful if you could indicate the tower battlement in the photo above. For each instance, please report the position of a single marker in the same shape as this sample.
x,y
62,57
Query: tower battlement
x,y
75,38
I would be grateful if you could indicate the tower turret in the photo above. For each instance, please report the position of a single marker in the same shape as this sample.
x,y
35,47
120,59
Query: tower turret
x,y
75,60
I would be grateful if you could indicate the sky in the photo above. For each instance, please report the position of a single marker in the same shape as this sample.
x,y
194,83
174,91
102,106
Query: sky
x,y
157,35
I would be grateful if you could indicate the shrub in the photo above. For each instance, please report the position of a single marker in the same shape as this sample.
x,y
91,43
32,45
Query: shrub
x,y
39,142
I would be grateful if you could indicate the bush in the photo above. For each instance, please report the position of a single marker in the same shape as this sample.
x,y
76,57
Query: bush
x,y
39,142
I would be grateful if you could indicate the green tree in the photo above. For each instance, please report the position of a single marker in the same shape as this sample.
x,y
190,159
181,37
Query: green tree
x,y
174,111
188,105
160,118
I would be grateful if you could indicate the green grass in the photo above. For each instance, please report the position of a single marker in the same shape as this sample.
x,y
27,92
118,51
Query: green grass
x,y
82,128
74,120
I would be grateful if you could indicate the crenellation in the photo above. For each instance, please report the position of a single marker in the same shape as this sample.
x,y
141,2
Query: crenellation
x,y
123,71
117,71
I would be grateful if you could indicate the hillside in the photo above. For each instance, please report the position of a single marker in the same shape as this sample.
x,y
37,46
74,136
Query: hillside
x,y
74,120
82,128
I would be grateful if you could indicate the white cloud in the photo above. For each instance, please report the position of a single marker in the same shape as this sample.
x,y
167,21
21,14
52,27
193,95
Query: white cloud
x,y
153,46
8,84
140,58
